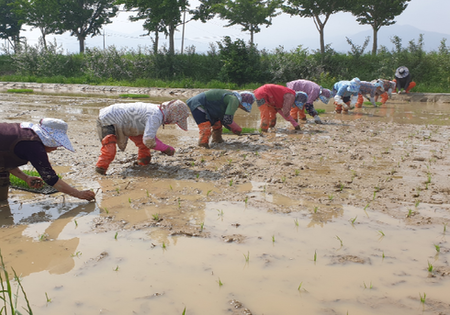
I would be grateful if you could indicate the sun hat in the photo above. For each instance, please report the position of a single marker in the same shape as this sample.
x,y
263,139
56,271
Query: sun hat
x,y
354,85
300,99
401,72
52,132
176,112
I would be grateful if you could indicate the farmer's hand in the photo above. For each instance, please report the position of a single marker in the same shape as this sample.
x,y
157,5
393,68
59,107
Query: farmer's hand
x,y
169,151
86,195
297,127
317,120
34,182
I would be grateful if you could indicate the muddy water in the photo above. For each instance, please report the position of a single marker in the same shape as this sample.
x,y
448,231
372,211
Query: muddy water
x,y
116,256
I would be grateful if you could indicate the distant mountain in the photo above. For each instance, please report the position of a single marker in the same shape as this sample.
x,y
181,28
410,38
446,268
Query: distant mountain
x,y
406,33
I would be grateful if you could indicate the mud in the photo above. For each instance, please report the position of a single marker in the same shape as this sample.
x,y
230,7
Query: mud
x,y
345,217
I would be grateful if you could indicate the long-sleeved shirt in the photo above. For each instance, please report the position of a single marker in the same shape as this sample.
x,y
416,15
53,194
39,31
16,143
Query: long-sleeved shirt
x,y
340,89
132,119
312,89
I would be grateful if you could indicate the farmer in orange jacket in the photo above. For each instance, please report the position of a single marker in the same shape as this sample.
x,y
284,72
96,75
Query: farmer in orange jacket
x,y
272,99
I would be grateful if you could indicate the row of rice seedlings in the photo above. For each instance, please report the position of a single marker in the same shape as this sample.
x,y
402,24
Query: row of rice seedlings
x,y
134,96
15,181
244,130
19,91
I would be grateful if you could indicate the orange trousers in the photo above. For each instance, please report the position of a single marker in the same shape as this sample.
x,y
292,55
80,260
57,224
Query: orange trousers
x,y
204,130
298,114
410,86
268,117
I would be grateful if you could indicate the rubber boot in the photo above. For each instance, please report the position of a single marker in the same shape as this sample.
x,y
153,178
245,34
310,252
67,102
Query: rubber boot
x,y
337,108
144,155
410,86
4,186
217,133
272,122
360,101
301,114
205,133
107,154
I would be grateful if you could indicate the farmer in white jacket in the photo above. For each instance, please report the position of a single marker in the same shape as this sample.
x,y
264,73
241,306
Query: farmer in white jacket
x,y
138,122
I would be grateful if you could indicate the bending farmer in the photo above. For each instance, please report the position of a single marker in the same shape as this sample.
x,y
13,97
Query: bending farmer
x,y
216,108
27,142
139,122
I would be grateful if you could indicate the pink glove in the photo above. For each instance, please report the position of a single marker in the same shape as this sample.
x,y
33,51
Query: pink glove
x,y
235,128
160,146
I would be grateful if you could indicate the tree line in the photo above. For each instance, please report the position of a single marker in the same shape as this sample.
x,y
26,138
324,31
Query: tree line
x,y
83,18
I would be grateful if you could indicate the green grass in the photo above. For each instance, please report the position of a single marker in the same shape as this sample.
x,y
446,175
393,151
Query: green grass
x,y
320,111
134,96
19,91
244,130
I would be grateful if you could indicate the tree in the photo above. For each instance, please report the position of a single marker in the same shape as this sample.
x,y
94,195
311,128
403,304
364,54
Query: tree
x,y
319,10
377,13
86,17
247,13
159,16
42,14
11,21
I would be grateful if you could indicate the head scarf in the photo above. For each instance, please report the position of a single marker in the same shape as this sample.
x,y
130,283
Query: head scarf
x,y
52,132
246,99
176,112
353,87
300,99
325,95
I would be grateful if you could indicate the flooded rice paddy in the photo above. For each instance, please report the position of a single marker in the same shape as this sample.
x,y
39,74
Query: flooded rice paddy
x,y
349,217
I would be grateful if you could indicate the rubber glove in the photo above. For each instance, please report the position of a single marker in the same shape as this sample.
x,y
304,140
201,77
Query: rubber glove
x,y
353,100
235,128
317,120
169,151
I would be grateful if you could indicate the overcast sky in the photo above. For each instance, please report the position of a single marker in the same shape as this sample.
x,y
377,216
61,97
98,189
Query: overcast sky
x,y
286,31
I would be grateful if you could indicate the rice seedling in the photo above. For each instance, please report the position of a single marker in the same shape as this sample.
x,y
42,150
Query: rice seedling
x,y
129,200
416,204
117,190
437,247
192,163
256,153
423,297
370,285
244,130
43,237
164,245
116,235
220,282
202,160
231,182
410,213
273,238
330,197
220,213
297,172
315,209
229,161
116,269
296,222
247,257
374,195
353,220
9,298
244,156
170,186
341,187
208,192
283,178
445,227
367,205
198,175
184,311
315,255
320,110
19,91
202,226
106,210
155,216
381,232
76,223
146,191
339,239
77,254
47,297
134,96
382,255
430,267
246,200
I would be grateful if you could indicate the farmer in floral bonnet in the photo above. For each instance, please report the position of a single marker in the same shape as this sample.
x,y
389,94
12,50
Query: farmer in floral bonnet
x,y
369,90
388,87
27,142
345,95
273,99
314,92
138,122
216,108
403,80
